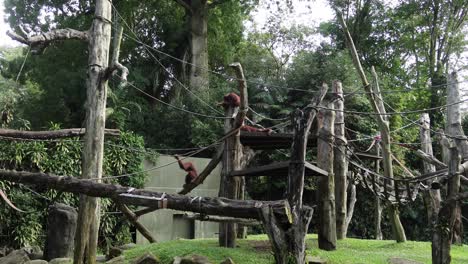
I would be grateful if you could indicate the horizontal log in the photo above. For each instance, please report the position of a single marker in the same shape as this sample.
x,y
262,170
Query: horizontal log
x,y
222,219
53,134
127,195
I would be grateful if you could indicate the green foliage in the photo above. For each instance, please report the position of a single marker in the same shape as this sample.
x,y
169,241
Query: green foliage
x,y
122,155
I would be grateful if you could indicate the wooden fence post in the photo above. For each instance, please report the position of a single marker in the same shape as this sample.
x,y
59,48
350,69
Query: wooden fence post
x,y
340,165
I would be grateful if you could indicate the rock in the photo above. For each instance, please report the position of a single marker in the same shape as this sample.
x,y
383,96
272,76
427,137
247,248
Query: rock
x,y
61,261
148,258
114,252
128,246
314,260
33,252
228,261
402,261
15,257
4,251
37,261
194,259
61,226
177,260
117,260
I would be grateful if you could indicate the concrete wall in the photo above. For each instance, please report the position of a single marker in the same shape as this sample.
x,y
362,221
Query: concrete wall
x,y
168,224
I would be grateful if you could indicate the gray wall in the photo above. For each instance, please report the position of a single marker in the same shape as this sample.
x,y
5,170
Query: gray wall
x,y
167,224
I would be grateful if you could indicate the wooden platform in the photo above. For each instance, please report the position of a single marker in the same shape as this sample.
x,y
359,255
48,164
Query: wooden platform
x,y
278,169
261,140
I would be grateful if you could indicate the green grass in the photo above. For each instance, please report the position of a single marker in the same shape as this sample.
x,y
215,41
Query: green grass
x,y
255,250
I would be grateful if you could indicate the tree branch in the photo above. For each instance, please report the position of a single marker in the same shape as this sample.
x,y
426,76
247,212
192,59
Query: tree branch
x,y
116,43
244,103
54,134
39,42
185,5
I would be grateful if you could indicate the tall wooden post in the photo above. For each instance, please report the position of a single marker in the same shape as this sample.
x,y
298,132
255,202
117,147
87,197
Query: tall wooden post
x,y
288,239
453,128
377,104
431,197
340,165
326,186
232,158
447,216
378,204
89,215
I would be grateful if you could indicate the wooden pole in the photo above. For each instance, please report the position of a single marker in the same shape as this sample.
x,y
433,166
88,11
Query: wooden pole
x,y
447,216
232,157
93,151
376,102
453,128
431,197
378,204
133,218
326,185
340,165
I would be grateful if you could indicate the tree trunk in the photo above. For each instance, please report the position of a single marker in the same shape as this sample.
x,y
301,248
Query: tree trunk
x,y
431,197
352,202
447,216
454,128
199,76
378,204
288,241
89,215
232,157
326,185
340,167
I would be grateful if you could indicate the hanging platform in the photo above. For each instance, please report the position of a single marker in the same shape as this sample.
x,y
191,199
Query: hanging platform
x,y
278,169
261,140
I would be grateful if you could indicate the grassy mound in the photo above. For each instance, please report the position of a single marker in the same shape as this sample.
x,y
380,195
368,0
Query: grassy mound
x,y
256,250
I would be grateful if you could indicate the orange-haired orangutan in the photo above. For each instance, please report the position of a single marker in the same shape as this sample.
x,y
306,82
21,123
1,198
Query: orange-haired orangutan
x,y
230,99
254,129
192,173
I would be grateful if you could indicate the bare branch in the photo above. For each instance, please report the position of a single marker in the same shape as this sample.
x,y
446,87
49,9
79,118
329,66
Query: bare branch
x,y
185,5
39,42
115,64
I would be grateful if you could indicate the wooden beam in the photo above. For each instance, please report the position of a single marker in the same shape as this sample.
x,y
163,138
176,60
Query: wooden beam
x,y
222,219
133,218
278,169
205,205
53,134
